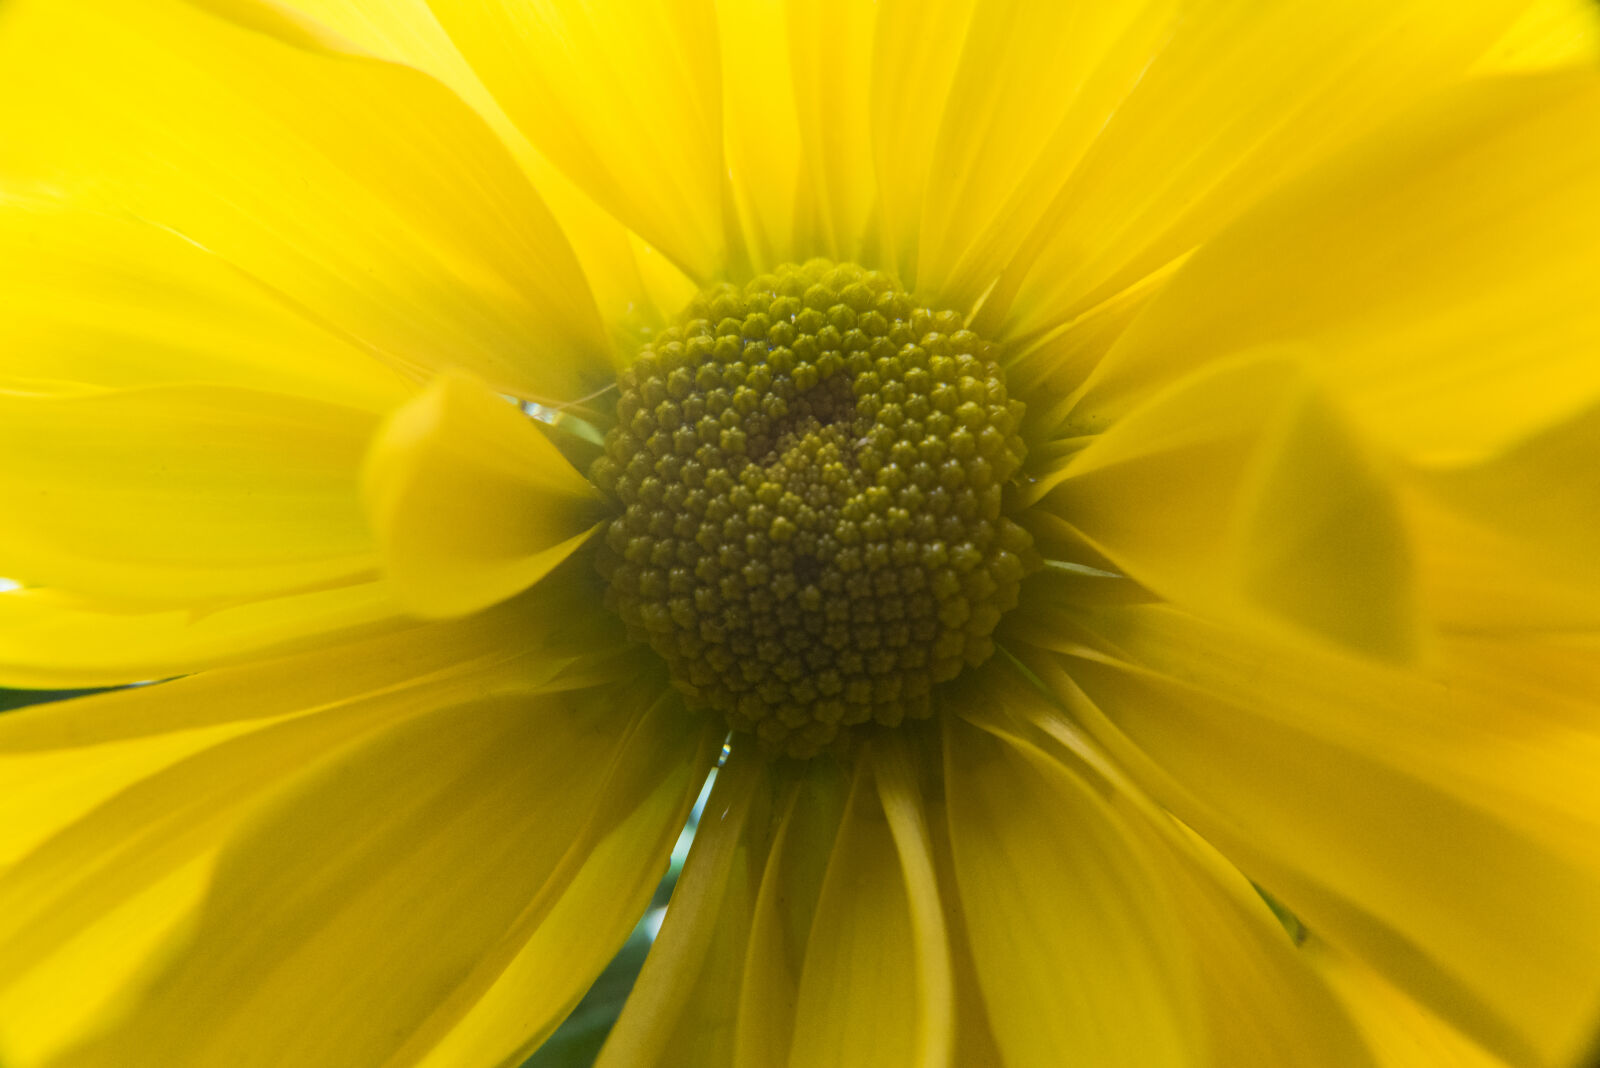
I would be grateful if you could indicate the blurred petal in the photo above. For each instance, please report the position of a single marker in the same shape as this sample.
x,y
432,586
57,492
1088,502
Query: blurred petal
x,y
1240,492
1231,103
1508,543
363,904
1443,271
1227,957
1551,33
96,301
182,493
1070,930
50,639
471,503
1443,824
365,194
407,31
1399,1032
625,97
568,932
116,803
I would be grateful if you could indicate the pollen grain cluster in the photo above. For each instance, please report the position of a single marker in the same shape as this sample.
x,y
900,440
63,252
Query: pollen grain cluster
x,y
810,474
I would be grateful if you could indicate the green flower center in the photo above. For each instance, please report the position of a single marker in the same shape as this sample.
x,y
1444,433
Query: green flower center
x,y
810,473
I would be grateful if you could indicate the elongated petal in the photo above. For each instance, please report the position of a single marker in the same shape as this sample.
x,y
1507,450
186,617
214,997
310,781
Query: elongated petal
x,y
683,1006
1235,100
1238,987
358,904
1240,492
1023,90
98,301
182,493
898,776
115,805
785,910
1444,270
470,502
367,194
407,31
875,986
830,45
771,180
624,97
54,640
522,988
1070,929
1441,824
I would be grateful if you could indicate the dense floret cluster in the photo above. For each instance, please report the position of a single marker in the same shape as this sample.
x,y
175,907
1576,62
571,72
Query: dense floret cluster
x,y
810,472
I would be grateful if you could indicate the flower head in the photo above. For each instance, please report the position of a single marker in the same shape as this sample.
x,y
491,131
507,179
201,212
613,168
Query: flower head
x,y
1093,479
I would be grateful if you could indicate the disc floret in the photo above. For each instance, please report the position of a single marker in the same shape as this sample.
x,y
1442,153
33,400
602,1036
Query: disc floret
x,y
810,471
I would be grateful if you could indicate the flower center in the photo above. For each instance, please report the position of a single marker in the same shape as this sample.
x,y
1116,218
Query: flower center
x,y
810,470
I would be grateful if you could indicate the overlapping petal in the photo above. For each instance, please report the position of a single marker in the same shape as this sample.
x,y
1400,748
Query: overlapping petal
x,y
624,97
1444,271
94,299
182,493
1240,491
363,193
1085,902
1230,103
1439,822
470,502
116,804
402,869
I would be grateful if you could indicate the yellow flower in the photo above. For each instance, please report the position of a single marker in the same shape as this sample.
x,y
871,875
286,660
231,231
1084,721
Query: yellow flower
x,y
1183,416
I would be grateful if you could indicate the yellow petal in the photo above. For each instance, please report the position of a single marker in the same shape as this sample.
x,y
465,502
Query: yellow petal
x,y
682,1007
1255,1001
875,987
785,909
1240,492
1035,85
357,905
1551,33
1442,825
761,133
364,193
1236,98
406,31
1508,543
100,301
49,1008
918,49
830,45
571,928
898,776
625,97
51,640
1071,931
110,799
1441,269
1400,1033
182,493
470,502
1240,993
